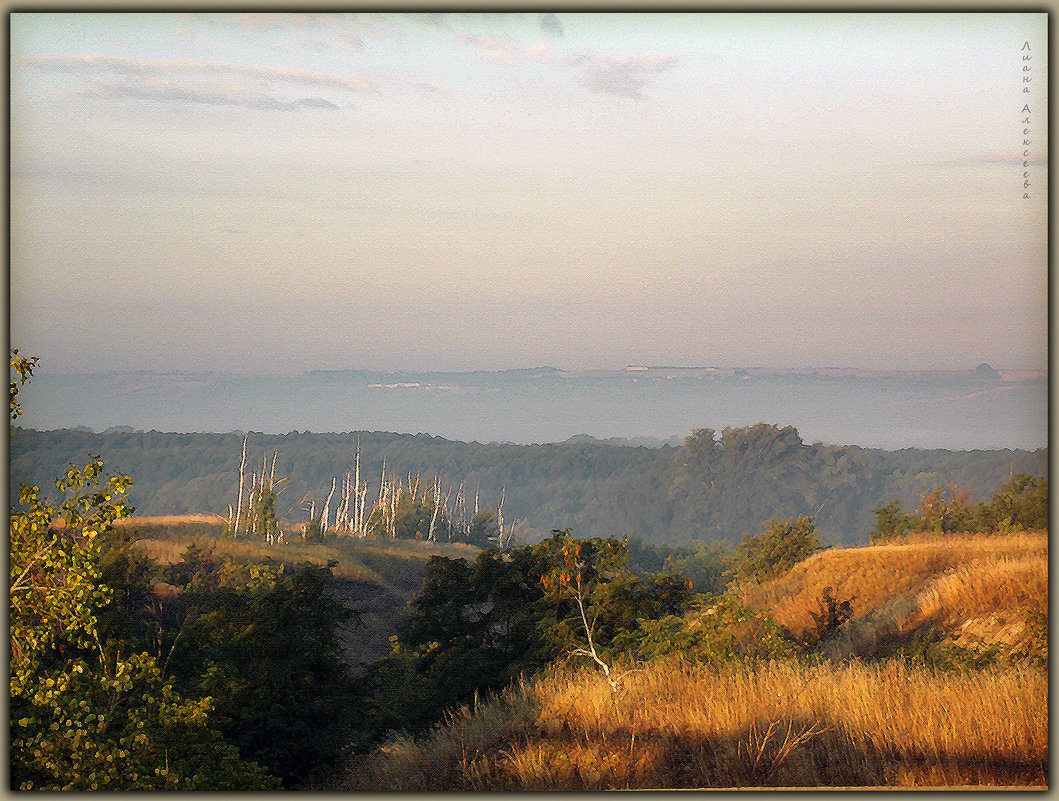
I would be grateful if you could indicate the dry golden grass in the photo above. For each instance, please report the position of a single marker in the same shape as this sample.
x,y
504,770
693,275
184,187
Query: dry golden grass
x,y
173,520
897,587
165,538
676,724
168,552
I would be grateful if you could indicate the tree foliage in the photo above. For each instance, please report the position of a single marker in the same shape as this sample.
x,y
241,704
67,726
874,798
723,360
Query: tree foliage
x,y
83,717
714,488
777,549
715,631
1019,504
262,641
475,627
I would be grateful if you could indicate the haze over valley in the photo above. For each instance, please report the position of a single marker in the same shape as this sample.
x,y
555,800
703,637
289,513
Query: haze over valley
x,y
962,410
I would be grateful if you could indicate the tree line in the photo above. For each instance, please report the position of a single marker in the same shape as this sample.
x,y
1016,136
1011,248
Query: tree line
x,y
717,486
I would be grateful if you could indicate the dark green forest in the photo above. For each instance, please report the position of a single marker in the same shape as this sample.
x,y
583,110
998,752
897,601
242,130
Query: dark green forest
x,y
717,486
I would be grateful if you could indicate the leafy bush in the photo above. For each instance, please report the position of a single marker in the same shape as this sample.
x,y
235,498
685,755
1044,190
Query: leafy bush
x,y
931,648
261,640
706,566
476,627
832,615
777,549
890,523
717,631
1020,504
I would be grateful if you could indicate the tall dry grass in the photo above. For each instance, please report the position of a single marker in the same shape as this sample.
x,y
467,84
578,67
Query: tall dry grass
x,y
941,579
675,724
166,538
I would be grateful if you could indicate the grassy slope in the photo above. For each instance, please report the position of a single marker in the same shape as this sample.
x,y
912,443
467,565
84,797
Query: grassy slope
x,y
846,723
975,588
376,577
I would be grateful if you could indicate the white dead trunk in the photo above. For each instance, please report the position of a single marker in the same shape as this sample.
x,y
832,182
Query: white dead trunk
x,y
342,516
327,504
239,509
251,521
500,520
356,494
437,506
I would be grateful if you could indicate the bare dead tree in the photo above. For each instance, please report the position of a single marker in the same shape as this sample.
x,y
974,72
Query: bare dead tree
x,y
500,520
362,528
324,517
448,514
251,522
459,511
357,504
437,505
239,508
342,514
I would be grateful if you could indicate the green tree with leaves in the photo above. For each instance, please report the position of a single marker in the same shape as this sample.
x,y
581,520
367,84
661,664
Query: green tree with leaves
x,y
777,549
83,717
890,522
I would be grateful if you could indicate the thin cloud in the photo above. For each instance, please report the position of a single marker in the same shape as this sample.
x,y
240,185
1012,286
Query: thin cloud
x,y
625,76
504,51
177,94
93,64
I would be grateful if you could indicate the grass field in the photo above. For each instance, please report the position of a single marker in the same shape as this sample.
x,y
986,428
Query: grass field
x,y
978,584
376,577
679,725
166,538
839,722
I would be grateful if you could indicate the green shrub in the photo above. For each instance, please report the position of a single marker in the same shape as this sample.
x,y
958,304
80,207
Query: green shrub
x,y
777,549
715,631
931,648
890,523
832,615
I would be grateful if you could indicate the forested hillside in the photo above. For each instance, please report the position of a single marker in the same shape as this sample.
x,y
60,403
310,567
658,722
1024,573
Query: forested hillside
x,y
717,486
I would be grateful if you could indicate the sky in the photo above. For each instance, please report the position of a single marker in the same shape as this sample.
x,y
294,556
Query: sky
x,y
274,193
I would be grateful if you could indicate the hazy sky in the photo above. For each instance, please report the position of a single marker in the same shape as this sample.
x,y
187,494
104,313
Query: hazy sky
x,y
274,193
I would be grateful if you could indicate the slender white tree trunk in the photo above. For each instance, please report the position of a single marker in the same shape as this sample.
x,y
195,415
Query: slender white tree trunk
x,y
327,504
437,506
357,506
239,509
500,520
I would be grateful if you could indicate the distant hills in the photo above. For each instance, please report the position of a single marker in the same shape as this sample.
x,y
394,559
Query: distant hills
x,y
982,408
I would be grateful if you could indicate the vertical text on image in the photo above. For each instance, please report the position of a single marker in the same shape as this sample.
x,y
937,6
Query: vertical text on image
x,y
1027,77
